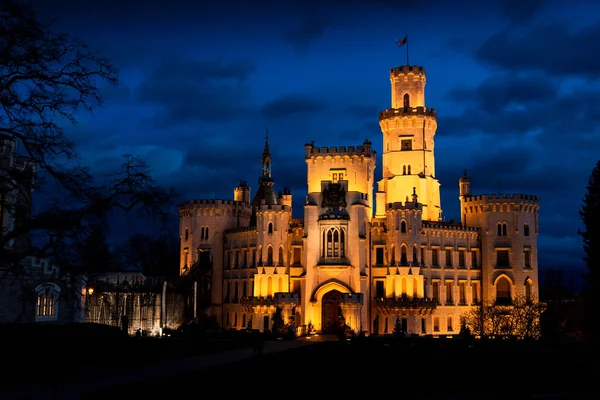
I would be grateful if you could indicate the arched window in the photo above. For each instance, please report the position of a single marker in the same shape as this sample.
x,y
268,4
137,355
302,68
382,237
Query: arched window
x,y
403,257
404,170
415,258
334,243
501,228
201,233
392,255
269,286
406,100
503,291
270,228
280,255
47,302
260,255
528,291
269,255
526,230
409,170
403,226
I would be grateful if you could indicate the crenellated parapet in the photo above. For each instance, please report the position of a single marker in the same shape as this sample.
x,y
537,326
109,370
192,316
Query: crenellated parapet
x,y
407,112
365,150
413,72
214,208
498,202
237,231
445,226
273,208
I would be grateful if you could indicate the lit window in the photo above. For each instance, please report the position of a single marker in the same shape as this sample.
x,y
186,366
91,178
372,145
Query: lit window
x,y
47,302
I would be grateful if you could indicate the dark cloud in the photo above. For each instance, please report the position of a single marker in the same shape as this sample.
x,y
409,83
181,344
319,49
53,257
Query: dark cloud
x,y
362,111
521,11
503,92
306,31
205,91
292,104
553,48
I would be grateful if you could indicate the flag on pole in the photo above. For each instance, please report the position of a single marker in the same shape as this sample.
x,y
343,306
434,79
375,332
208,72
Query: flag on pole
x,y
402,42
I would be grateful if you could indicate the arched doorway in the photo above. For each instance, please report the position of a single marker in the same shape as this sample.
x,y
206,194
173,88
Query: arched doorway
x,y
331,311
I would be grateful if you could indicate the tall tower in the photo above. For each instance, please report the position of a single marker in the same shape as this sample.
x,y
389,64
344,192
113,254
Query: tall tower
x,y
265,183
408,129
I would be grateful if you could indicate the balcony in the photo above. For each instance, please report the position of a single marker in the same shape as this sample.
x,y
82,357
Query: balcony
x,y
406,305
334,261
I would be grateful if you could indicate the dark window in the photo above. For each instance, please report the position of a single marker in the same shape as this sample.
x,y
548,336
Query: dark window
x,y
502,259
379,289
379,255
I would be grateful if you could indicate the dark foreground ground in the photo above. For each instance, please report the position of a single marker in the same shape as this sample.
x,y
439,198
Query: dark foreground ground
x,y
419,369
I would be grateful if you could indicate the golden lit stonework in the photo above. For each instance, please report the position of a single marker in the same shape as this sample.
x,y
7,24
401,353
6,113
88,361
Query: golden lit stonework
x,y
372,259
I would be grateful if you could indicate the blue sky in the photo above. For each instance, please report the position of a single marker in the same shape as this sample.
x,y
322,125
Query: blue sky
x,y
515,86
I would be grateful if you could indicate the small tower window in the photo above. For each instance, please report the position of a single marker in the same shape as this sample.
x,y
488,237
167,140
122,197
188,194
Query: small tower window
x,y
403,226
409,169
270,228
501,228
406,100
526,229
404,170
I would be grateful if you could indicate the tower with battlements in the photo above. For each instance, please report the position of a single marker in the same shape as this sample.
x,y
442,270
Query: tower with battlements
x,y
359,259
408,160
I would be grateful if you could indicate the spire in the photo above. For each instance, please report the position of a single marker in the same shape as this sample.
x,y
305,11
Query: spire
x,y
266,158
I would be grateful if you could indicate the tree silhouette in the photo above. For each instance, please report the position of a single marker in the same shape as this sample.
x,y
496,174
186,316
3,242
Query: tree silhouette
x,y
590,215
46,80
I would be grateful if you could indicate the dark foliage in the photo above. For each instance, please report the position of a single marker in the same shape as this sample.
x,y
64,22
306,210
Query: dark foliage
x,y
590,215
46,80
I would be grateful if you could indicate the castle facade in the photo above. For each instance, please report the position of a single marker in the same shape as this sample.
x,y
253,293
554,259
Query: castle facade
x,y
375,258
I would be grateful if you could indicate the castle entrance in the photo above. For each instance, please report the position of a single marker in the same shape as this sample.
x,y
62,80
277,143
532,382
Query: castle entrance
x,y
331,311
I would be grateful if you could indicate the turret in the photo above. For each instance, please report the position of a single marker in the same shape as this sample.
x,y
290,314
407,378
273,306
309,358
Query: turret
x,y
285,197
408,86
242,192
464,184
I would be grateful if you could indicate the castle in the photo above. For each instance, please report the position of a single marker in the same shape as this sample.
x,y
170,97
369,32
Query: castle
x,y
376,260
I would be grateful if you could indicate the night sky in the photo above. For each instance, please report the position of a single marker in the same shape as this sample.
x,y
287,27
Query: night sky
x,y
515,86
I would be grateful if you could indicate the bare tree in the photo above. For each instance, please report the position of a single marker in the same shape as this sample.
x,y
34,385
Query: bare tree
x,y
520,319
46,80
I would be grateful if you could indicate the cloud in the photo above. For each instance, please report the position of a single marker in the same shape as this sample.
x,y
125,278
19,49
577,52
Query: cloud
x,y
362,111
292,104
522,11
554,48
207,91
504,92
